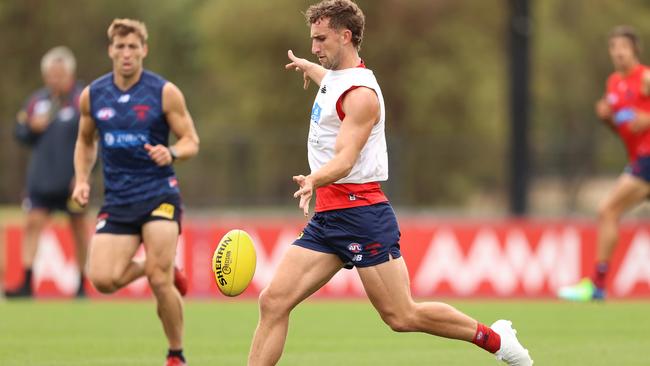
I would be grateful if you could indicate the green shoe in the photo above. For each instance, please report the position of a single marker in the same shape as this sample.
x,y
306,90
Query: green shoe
x,y
583,291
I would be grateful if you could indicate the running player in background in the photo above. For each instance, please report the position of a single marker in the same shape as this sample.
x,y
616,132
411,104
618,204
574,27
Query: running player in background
x,y
354,224
131,111
49,124
625,108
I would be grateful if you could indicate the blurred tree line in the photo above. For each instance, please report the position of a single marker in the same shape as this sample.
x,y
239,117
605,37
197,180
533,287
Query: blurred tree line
x,y
442,65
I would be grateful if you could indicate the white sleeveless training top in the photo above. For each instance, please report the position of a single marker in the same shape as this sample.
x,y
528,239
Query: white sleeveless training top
x,y
325,123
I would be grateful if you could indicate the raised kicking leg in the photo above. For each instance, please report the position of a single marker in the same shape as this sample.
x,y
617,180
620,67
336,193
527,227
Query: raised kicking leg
x,y
387,286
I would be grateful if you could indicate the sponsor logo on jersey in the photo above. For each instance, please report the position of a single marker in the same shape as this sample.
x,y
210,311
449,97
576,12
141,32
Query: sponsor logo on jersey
x,y
173,182
109,139
323,89
124,139
105,113
124,98
624,115
315,113
355,248
165,210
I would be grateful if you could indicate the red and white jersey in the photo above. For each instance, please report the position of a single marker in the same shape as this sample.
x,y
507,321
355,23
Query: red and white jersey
x,y
623,95
360,187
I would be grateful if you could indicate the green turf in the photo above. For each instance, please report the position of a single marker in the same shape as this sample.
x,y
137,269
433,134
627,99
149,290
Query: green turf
x,y
48,333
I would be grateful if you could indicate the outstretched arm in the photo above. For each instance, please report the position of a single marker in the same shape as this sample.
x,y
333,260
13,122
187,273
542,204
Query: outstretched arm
x,y
85,153
309,69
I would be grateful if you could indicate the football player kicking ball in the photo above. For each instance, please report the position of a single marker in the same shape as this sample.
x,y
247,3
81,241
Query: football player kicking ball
x,y
354,224
131,112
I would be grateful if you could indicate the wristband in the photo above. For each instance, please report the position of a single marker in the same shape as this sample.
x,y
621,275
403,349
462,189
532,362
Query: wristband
x,y
173,153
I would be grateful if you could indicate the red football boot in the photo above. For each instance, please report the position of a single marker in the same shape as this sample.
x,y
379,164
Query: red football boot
x,y
174,361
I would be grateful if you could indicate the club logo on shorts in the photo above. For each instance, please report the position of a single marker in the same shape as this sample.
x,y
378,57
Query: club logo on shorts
x,y
165,210
101,221
355,248
373,248
100,224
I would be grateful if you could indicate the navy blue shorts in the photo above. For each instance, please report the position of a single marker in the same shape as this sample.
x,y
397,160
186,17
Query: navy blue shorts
x,y
53,202
361,236
129,219
640,168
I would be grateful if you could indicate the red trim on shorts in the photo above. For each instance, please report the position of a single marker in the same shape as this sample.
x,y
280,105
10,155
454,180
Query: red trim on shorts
x,y
347,195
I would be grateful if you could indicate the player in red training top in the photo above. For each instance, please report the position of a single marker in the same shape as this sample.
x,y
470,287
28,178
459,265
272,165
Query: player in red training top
x,y
625,109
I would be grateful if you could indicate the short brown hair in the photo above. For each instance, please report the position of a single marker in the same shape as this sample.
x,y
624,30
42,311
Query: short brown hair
x,y
628,32
342,14
124,27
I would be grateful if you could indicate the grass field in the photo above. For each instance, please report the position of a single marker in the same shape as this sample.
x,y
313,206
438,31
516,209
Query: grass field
x,y
49,333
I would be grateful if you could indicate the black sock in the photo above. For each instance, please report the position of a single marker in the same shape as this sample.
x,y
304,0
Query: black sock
x,y
28,278
176,353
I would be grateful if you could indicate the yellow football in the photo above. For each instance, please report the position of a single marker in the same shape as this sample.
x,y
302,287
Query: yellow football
x,y
233,262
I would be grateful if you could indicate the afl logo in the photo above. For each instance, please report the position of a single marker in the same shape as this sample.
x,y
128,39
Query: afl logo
x,y
105,113
109,139
355,247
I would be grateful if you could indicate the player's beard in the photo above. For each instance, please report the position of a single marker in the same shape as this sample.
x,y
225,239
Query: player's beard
x,y
330,63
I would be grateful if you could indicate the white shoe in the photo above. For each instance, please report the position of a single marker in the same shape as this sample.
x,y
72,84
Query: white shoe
x,y
511,351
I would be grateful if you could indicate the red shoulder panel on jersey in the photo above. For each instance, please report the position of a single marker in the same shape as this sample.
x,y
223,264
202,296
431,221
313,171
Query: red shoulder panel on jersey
x,y
339,102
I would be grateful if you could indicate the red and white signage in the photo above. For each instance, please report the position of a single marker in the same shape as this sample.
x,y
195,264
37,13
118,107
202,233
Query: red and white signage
x,y
445,258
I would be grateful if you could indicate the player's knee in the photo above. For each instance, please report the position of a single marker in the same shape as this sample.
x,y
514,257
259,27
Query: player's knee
x,y
35,222
399,322
607,212
270,303
103,284
160,280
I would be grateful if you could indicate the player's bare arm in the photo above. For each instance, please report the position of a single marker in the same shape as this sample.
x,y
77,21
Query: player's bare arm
x,y
85,153
604,113
309,69
181,124
362,110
